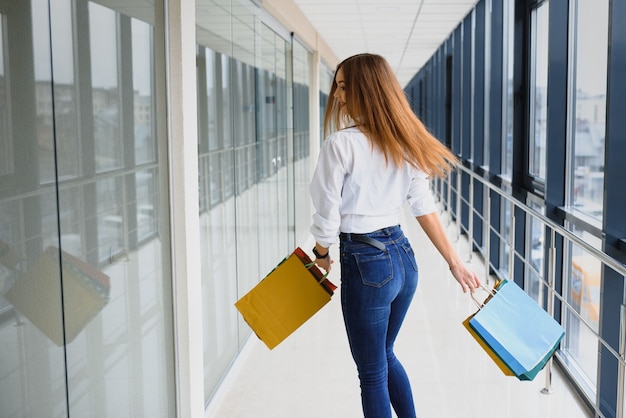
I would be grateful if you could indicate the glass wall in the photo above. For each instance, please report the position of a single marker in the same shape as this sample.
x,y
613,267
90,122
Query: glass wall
x,y
588,113
582,292
535,247
246,165
326,80
508,26
85,284
302,59
539,92
217,214
588,74
556,89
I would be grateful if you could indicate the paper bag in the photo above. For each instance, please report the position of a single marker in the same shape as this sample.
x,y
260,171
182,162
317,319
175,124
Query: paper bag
x,y
517,330
285,299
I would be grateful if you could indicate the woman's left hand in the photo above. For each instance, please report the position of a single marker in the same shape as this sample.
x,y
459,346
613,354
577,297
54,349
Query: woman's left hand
x,y
466,278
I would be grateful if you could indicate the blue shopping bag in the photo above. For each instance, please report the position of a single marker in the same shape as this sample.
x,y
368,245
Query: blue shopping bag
x,y
518,330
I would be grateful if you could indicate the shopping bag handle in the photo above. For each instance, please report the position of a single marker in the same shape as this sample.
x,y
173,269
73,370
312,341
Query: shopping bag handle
x,y
480,305
309,265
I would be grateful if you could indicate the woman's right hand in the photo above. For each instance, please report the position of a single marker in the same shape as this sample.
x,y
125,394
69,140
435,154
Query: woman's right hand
x,y
324,263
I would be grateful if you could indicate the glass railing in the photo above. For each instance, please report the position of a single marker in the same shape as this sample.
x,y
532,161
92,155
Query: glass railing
x,y
562,271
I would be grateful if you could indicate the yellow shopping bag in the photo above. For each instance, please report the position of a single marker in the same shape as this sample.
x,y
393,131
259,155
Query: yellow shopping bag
x,y
285,299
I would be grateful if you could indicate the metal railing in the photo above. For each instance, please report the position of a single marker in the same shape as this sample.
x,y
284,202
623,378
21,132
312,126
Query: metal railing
x,y
548,282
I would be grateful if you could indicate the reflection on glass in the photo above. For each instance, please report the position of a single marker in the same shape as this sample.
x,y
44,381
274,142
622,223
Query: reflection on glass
x,y
65,92
71,219
42,94
111,228
251,137
147,193
283,161
588,130
143,80
102,347
582,293
270,162
245,172
326,81
301,133
32,366
539,92
105,91
6,147
211,95
224,97
218,235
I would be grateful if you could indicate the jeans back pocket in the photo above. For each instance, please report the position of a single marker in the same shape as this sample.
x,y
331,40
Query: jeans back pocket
x,y
375,267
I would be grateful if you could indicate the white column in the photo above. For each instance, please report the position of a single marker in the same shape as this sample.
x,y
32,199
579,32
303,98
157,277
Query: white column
x,y
184,206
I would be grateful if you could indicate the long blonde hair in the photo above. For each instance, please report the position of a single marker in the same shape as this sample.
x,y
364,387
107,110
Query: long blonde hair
x,y
377,105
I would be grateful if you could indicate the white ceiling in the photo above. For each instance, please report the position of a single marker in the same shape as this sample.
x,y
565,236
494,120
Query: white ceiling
x,y
405,32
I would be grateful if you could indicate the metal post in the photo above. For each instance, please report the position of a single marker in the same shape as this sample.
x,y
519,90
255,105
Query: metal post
x,y
458,204
487,235
448,201
471,219
619,410
551,261
512,243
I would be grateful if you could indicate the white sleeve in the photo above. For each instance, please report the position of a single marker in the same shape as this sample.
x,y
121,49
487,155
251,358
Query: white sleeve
x,y
420,197
325,189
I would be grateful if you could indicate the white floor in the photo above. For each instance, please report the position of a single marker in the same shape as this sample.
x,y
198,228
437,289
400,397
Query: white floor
x,y
311,374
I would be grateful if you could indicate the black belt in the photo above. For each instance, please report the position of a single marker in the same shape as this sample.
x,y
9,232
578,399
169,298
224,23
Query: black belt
x,y
362,238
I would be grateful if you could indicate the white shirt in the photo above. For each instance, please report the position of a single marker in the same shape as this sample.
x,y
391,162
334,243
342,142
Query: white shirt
x,y
355,190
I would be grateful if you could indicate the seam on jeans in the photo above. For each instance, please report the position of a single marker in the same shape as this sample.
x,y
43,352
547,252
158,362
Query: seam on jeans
x,y
398,249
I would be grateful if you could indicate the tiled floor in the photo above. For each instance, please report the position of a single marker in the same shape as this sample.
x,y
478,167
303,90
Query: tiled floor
x,y
311,374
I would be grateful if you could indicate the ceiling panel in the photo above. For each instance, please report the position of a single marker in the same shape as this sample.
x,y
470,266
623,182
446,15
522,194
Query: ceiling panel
x,y
405,32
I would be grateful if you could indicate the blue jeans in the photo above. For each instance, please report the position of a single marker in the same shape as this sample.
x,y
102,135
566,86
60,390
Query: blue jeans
x,y
377,287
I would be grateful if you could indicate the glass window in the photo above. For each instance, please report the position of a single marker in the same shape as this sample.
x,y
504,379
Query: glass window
x,y
535,254
301,132
143,81
505,228
472,80
589,74
6,143
211,93
508,10
106,341
538,92
66,119
283,160
508,55
487,83
326,81
219,91
467,71
582,293
147,205
42,92
105,92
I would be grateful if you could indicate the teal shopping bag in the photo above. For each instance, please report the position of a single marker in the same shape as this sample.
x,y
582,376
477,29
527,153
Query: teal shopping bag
x,y
518,330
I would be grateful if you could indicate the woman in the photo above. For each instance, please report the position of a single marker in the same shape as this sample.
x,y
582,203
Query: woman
x,y
379,156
